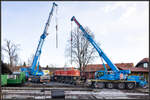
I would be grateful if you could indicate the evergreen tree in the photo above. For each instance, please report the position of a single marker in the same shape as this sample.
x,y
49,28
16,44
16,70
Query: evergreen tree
x,y
24,64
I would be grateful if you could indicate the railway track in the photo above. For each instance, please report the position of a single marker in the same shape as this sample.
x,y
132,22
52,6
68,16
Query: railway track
x,y
47,88
50,84
55,85
66,88
37,93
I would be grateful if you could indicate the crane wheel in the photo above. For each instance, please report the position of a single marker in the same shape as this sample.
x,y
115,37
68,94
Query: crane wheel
x,y
100,85
110,85
130,85
95,85
121,85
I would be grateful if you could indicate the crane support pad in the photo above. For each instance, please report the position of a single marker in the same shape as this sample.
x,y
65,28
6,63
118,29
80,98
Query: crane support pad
x,y
58,94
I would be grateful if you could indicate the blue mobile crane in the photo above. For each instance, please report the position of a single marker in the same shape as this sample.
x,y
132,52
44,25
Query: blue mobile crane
x,y
115,77
33,73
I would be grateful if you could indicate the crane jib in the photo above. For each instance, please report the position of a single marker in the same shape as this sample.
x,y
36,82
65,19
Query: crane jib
x,y
73,18
98,49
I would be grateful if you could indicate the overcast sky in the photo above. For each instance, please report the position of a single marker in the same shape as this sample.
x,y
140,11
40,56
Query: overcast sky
x,y
120,27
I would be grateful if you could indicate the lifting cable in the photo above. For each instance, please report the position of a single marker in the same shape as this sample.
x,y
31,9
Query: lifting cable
x,y
71,43
56,20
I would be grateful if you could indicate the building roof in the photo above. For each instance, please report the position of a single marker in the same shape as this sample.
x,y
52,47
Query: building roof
x,y
144,60
96,67
121,66
54,68
17,68
134,69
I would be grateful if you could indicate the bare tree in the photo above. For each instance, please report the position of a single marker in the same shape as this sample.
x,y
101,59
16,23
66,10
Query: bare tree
x,y
80,49
11,49
24,63
52,65
2,56
30,59
5,68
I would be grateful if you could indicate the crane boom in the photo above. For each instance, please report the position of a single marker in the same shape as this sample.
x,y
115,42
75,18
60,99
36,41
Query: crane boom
x,y
42,38
33,71
99,50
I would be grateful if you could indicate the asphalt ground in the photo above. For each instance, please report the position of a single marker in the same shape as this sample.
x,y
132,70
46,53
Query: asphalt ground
x,y
69,94
42,91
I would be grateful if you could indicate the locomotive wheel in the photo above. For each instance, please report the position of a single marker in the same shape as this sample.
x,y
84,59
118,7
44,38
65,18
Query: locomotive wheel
x,y
62,81
110,85
130,85
121,85
59,80
65,81
70,82
100,85
74,83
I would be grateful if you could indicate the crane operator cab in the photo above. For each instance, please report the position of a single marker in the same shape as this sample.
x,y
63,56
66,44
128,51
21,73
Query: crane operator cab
x,y
110,75
99,74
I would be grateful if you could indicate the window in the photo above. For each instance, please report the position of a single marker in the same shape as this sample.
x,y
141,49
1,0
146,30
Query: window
x,y
99,74
145,65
